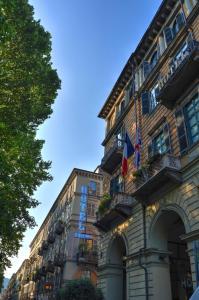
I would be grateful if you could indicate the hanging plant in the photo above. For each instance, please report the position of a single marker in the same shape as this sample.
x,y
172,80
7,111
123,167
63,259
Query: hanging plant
x,y
104,204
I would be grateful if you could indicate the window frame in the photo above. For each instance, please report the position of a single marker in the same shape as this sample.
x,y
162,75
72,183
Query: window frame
x,y
187,120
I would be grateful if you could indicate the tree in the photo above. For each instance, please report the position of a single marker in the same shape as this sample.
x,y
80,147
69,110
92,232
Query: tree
x,y
79,289
28,88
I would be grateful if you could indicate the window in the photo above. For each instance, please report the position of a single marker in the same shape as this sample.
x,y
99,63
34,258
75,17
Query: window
x,y
92,188
160,144
117,185
187,121
154,59
154,93
120,108
149,100
91,209
147,66
86,274
189,5
191,111
120,136
171,31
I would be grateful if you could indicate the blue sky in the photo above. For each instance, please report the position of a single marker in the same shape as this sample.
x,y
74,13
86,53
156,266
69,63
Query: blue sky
x,y
91,42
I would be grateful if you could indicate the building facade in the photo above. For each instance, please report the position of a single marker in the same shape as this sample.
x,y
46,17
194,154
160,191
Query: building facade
x,y
65,246
149,219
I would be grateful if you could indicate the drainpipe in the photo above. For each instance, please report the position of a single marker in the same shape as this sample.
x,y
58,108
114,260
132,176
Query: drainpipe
x,y
142,251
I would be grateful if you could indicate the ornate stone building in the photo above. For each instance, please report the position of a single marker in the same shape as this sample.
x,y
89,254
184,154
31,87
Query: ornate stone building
x,y
149,219
65,246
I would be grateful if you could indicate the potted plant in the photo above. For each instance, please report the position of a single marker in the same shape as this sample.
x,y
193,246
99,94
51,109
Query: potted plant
x,y
104,204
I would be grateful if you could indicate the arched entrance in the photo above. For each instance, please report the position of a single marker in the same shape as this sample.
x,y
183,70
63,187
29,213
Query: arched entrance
x,y
116,276
175,267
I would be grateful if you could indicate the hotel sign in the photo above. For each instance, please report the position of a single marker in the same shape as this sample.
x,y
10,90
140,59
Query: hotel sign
x,y
81,234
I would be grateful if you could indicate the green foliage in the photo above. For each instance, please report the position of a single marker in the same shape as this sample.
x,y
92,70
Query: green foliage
x,y
81,289
29,87
104,204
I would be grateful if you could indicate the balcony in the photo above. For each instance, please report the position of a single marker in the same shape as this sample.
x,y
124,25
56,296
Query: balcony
x,y
44,246
59,228
50,268
88,257
42,271
117,212
51,238
182,73
113,157
161,176
58,260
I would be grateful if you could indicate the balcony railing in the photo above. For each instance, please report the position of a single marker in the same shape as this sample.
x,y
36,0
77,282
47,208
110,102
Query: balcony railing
x,y
113,157
59,228
51,238
88,257
183,71
42,271
59,260
119,210
44,245
50,268
160,177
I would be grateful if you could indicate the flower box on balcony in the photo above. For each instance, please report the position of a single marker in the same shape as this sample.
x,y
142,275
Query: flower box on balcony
x,y
118,211
162,174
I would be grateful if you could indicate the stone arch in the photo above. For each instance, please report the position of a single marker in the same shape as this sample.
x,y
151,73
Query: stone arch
x,y
116,278
123,238
167,226
169,207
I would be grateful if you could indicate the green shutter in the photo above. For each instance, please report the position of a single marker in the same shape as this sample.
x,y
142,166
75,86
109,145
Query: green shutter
x,y
151,150
181,128
180,19
146,69
145,102
168,35
167,137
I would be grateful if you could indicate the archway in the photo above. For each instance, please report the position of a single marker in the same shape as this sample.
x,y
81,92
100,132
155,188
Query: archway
x,y
116,277
175,267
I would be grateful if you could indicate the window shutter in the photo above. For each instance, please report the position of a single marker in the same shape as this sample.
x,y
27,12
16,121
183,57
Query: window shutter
x,y
151,150
180,19
131,89
146,68
98,188
168,35
183,142
157,90
126,97
167,137
113,186
145,102
190,41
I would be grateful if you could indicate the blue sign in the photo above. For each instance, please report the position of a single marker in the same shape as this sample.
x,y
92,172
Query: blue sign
x,y
83,215
83,236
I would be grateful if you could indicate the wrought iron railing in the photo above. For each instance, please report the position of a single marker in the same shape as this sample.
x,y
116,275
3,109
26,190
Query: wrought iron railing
x,y
156,166
177,63
87,257
121,198
118,144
